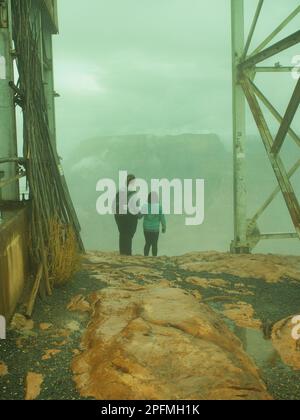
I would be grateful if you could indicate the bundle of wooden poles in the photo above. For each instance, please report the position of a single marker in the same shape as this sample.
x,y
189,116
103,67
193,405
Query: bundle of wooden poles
x,y
54,229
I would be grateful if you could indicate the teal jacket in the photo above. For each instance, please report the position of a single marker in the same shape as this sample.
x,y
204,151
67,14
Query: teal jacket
x,y
153,217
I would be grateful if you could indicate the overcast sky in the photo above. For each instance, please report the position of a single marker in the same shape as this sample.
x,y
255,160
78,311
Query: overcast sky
x,y
152,66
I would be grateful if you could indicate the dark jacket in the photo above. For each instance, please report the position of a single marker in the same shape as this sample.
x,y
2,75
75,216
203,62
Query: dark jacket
x,y
127,223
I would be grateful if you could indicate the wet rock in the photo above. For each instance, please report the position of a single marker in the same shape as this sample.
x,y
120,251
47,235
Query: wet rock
x,y
197,294
205,283
285,344
73,326
242,314
79,304
21,323
33,385
61,343
267,326
62,333
160,343
50,353
3,369
270,268
142,272
45,326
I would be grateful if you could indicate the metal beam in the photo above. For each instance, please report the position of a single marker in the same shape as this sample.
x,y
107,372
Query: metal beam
x,y
50,7
279,236
253,27
274,69
272,196
278,167
48,76
245,67
287,120
277,30
282,45
239,244
274,112
8,135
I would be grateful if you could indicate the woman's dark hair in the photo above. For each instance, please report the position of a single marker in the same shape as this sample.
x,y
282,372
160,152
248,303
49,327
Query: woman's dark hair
x,y
130,178
153,198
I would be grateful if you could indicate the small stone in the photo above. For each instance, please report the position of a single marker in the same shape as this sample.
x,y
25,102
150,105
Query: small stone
x,y
33,385
21,323
3,369
50,353
45,326
79,304
73,326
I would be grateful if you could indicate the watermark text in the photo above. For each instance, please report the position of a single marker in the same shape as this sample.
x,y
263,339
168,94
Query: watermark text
x,y
178,197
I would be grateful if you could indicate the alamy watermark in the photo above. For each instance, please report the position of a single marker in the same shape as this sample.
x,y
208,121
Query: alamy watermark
x,y
2,328
178,197
296,67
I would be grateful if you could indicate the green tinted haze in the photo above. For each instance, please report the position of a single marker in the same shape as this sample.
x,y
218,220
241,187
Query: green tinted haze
x,y
161,68
152,66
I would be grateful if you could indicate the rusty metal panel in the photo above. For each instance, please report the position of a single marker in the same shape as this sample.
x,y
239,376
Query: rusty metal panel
x,y
14,266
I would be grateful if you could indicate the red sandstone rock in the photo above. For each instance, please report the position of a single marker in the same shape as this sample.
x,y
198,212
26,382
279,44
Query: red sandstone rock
x,y
160,343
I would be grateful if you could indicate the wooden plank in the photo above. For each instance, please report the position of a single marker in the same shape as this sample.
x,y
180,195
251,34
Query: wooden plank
x,y
34,291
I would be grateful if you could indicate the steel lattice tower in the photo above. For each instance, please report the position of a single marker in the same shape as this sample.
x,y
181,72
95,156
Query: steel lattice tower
x,y
245,68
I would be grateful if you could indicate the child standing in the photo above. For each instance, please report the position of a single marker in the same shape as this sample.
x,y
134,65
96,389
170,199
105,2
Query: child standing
x,y
153,218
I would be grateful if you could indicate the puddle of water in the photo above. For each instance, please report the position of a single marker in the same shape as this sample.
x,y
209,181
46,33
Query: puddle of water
x,y
257,347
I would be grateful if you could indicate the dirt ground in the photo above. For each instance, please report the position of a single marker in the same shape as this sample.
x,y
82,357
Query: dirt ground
x,y
246,300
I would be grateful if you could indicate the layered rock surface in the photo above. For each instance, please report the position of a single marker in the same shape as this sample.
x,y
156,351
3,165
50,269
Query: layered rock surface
x,y
160,343
203,326
151,337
